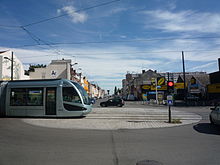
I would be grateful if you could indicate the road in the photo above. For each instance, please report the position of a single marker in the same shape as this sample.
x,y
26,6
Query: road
x,y
194,144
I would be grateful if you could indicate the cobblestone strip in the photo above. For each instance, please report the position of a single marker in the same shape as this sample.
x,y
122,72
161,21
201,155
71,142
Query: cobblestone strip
x,y
119,118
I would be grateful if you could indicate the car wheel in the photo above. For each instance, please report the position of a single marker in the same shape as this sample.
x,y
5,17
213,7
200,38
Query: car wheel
x,y
211,120
119,105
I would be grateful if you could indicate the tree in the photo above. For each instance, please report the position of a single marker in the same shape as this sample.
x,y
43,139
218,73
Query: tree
x,y
119,91
115,91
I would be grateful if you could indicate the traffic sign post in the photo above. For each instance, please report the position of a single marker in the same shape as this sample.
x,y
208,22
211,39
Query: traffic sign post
x,y
169,103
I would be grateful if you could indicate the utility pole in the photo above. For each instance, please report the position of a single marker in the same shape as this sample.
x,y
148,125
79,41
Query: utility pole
x,y
12,66
184,77
156,91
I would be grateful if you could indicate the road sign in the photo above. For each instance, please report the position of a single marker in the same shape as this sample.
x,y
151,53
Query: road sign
x,y
169,100
161,81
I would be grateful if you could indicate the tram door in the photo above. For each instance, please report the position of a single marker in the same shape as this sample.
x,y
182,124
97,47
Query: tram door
x,y
50,101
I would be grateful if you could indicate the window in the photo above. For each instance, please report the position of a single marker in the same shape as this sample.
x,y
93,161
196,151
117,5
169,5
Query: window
x,y
71,95
35,96
83,93
18,97
26,96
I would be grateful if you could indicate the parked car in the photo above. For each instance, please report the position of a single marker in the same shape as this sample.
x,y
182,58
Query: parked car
x,y
113,102
92,100
215,115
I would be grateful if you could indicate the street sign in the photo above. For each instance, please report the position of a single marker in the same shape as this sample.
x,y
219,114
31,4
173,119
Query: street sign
x,y
169,100
161,80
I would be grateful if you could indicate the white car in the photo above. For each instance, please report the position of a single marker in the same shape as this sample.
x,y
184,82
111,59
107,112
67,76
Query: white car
x,y
215,115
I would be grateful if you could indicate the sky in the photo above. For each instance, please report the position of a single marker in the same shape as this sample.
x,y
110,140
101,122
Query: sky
x,y
108,38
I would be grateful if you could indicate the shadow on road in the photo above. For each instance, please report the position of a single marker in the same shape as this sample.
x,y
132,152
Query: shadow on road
x,y
207,128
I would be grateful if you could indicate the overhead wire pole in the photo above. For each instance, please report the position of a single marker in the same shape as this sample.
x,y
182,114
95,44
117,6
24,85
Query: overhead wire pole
x,y
184,77
156,91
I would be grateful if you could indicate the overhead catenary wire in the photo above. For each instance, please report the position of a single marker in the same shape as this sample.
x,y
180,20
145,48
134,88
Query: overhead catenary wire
x,y
62,15
132,52
123,41
39,41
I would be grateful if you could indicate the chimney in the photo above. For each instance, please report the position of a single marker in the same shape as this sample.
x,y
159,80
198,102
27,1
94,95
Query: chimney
x,y
219,64
143,71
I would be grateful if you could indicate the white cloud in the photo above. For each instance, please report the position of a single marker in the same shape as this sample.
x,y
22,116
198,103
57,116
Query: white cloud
x,y
183,21
108,65
76,17
203,67
172,5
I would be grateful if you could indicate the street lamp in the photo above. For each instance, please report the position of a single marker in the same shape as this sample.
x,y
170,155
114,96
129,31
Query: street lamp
x,y
74,64
12,66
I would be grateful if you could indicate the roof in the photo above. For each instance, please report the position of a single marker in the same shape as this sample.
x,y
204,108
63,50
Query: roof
x,y
3,52
202,78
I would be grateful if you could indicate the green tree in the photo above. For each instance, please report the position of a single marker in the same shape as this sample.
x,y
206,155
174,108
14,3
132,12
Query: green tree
x,y
115,91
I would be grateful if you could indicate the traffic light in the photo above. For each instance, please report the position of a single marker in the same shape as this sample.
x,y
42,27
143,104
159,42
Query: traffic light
x,y
170,86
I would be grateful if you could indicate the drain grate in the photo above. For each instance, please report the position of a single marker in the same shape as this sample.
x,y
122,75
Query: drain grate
x,y
148,162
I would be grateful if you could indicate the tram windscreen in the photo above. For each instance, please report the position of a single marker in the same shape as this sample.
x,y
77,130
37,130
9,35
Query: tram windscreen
x,y
83,93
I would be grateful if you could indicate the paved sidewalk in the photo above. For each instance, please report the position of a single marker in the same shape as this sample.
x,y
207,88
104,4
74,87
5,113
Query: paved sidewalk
x,y
120,118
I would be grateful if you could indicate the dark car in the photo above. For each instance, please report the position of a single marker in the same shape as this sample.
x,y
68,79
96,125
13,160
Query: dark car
x,y
113,102
92,100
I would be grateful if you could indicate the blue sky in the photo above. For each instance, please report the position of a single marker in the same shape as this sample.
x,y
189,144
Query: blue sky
x,y
108,41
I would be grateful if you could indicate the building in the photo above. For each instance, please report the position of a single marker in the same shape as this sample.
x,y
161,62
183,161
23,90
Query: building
x,y
143,86
56,69
6,67
196,88
173,76
214,86
132,86
64,69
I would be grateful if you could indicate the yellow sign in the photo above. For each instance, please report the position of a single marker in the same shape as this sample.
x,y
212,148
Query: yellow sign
x,y
146,87
161,88
214,88
179,85
161,81
86,85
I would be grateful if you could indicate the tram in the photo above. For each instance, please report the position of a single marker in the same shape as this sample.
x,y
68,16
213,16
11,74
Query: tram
x,y
43,98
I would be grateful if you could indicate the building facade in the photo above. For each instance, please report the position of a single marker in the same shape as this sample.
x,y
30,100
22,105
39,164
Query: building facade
x,y
63,69
56,69
6,67
150,85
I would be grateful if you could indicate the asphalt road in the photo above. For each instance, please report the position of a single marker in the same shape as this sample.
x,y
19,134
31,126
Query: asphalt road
x,y
195,144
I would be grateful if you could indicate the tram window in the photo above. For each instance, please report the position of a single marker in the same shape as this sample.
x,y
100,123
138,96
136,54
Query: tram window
x,y
71,95
35,97
18,97
83,93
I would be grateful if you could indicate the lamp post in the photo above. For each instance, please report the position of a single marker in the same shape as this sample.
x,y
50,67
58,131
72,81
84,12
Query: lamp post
x,y
12,66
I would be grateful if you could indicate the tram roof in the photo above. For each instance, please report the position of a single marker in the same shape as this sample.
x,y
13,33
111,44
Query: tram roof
x,y
37,82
